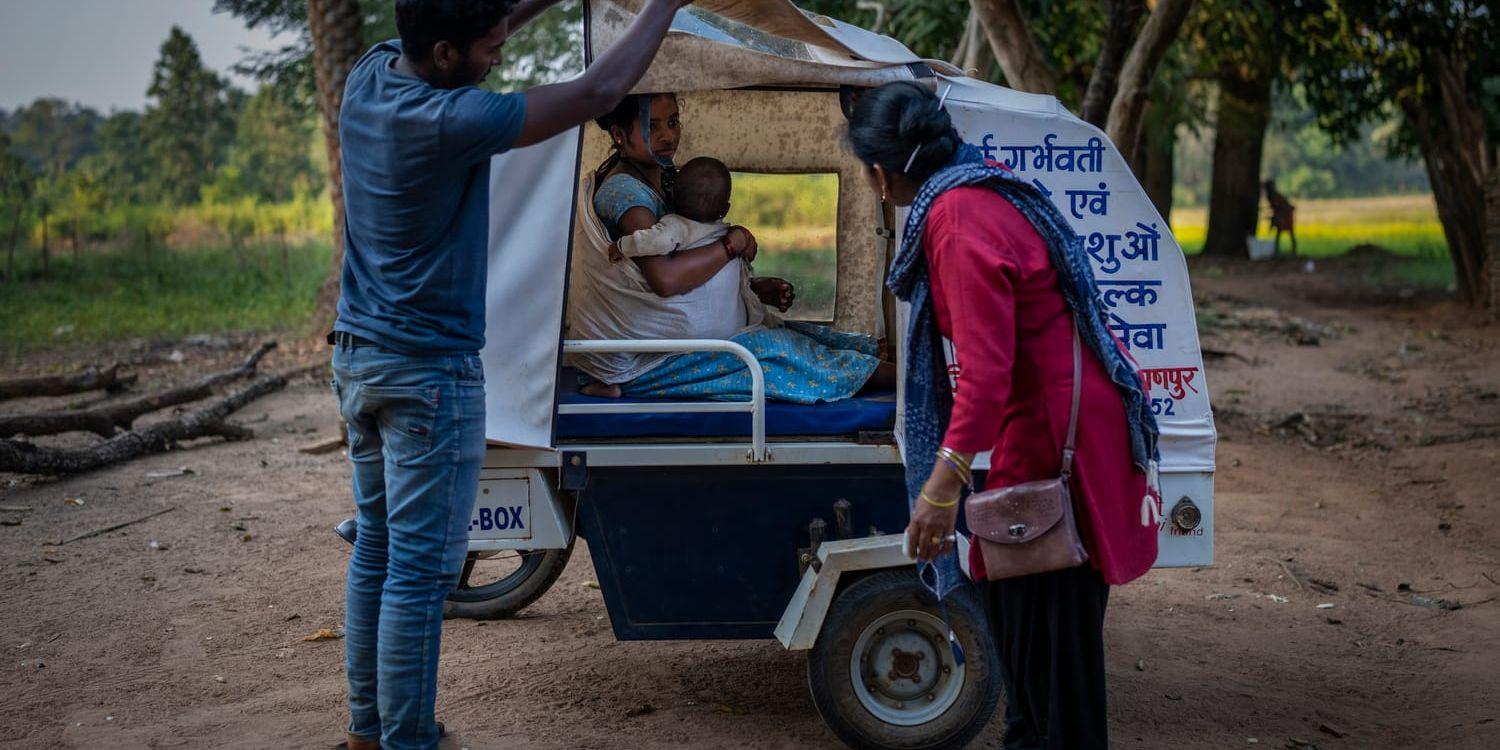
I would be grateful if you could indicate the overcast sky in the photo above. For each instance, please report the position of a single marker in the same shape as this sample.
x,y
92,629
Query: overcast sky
x,y
100,52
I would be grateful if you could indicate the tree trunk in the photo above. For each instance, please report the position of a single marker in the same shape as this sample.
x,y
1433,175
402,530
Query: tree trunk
x,y
1234,201
1154,167
973,54
1492,233
337,33
1021,60
1460,161
1124,122
46,246
1460,200
15,237
1119,31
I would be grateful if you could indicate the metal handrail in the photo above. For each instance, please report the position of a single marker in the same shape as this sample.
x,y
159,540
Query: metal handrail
x,y
756,405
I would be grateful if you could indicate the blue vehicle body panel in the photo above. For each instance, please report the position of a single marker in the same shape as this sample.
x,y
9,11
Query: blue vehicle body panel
x,y
711,552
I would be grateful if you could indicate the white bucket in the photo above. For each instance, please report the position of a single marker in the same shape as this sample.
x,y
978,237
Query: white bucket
x,y
1261,249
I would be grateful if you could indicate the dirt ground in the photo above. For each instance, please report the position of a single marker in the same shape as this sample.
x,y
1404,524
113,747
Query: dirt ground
x,y
1359,447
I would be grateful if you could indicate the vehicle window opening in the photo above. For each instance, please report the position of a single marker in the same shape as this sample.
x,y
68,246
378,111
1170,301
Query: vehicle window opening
x,y
795,221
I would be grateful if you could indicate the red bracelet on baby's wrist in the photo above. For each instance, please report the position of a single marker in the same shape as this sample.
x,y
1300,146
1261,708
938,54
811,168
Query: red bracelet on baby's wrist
x,y
729,248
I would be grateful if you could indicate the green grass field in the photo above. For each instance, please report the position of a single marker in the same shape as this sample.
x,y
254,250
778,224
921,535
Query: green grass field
x,y
1404,225
115,295
118,295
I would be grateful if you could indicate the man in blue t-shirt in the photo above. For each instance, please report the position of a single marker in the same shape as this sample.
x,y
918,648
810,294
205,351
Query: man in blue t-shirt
x,y
417,140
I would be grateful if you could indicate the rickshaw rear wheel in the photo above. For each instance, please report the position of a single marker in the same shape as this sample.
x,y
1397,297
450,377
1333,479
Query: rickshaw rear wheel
x,y
513,592
883,675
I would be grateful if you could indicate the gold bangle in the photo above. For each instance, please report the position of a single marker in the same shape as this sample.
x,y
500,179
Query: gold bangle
x,y
964,475
928,499
956,457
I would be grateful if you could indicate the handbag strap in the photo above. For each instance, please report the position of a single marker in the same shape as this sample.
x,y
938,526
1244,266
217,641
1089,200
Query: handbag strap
x,y
1067,455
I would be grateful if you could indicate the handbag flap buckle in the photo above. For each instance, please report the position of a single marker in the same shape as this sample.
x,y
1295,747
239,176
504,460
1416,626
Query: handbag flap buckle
x,y
1017,514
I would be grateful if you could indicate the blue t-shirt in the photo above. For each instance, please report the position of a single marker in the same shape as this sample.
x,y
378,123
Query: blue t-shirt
x,y
416,202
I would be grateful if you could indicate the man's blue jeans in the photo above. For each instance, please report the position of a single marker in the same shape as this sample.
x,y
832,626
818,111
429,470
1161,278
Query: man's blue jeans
x,y
416,441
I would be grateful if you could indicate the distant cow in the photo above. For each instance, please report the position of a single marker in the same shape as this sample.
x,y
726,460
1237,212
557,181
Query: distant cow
x,y
1282,212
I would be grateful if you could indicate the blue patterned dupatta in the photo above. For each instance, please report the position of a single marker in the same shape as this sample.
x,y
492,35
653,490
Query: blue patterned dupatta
x,y
928,400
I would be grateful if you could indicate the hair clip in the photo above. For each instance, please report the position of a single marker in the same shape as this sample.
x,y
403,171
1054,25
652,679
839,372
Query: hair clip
x,y
942,100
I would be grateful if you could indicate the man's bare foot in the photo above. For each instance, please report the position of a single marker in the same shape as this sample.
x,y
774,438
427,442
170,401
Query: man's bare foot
x,y
601,390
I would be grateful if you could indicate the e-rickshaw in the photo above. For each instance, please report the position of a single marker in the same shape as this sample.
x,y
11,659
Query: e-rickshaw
x,y
757,519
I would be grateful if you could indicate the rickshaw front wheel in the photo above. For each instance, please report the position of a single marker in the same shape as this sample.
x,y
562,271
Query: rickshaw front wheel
x,y
884,676
497,585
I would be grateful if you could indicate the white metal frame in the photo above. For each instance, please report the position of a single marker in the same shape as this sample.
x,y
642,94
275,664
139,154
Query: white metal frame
x,y
756,405
803,619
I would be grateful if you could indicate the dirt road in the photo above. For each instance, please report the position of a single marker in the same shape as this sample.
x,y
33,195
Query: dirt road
x,y
1358,463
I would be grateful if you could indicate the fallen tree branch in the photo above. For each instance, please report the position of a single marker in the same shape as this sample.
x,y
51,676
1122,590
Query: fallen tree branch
x,y
1431,440
90,378
104,421
116,527
25,458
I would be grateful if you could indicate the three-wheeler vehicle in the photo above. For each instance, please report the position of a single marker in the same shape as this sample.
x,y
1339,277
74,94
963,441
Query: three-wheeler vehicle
x,y
760,519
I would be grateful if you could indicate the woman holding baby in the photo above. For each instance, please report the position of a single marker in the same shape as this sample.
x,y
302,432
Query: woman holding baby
x,y
675,270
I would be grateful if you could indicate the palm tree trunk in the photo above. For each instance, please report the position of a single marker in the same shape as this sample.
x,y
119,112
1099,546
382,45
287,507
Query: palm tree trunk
x,y
337,34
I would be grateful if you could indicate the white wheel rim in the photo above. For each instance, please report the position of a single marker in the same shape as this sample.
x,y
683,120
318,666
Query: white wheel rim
x,y
902,668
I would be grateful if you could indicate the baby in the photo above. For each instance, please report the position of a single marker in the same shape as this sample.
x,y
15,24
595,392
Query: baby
x,y
703,187
702,196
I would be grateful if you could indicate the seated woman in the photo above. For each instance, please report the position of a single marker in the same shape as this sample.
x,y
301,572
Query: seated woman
x,y
685,274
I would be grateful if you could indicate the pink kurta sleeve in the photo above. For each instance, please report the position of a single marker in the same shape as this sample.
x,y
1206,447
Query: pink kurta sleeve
x,y
973,270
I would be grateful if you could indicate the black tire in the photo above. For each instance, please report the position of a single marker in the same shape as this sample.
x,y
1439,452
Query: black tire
x,y
875,614
505,597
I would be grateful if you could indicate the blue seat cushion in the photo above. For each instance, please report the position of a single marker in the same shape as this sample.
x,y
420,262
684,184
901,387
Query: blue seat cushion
x,y
864,413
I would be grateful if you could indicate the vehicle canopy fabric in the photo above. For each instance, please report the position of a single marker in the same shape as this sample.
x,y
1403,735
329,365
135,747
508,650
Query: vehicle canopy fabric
x,y
716,46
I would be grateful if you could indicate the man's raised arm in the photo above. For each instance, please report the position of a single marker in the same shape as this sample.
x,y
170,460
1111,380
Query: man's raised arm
x,y
552,109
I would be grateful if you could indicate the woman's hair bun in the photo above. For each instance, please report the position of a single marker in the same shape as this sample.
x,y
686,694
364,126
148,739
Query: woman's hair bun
x,y
923,121
891,122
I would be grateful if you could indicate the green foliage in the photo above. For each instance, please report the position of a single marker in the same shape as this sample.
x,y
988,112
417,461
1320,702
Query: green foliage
x,y
1306,161
1366,56
813,271
767,201
547,50
190,124
121,162
52,135
268,159
117,296
289,69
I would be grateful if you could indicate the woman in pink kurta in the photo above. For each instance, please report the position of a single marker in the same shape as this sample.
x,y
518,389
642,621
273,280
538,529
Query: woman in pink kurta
x,y
995,295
